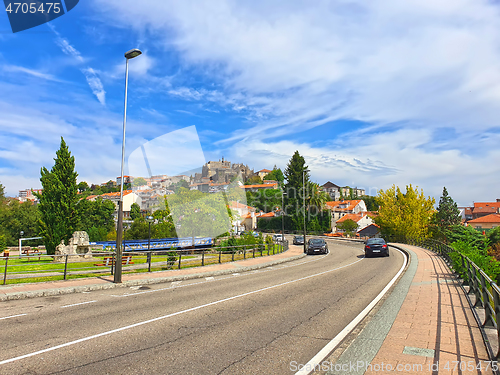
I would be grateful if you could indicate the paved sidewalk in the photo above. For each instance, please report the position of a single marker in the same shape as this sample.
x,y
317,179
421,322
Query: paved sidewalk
x,y
432,330
19,291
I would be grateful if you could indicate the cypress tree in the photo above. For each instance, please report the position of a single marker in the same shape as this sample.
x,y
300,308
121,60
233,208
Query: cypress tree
x,y
58,200
294,189
447,213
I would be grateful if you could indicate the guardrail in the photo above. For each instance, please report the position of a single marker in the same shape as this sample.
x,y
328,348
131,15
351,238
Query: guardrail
x,y
57,267
484,289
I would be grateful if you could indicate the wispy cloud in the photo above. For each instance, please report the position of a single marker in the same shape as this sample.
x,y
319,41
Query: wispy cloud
x,y
90,74
30,72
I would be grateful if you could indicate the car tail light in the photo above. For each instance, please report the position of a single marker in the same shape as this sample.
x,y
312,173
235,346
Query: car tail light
x,y
367,246
384,247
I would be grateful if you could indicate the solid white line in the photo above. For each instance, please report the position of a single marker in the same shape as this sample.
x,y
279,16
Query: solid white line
x,y
170,315
13,316
318,358
77,304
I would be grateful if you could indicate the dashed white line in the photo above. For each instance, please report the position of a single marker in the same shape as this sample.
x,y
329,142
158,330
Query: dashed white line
x,y
170,315
13,316
209,278
236,274
77,304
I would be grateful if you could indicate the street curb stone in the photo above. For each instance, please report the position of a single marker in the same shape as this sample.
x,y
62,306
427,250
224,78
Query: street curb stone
x,y
150,281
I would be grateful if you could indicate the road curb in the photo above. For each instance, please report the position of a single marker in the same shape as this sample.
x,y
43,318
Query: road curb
x,y
150,281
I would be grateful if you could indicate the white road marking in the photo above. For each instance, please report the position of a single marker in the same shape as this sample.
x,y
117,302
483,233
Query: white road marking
x,y
236,274
209,278
13,316
177,283
323,353
77,304
170,315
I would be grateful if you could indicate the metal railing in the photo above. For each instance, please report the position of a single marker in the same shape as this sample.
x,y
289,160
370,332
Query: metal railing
x,y
484,289
57,267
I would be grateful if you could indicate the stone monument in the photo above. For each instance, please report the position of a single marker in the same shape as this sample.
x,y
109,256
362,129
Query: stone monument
x,y
78,247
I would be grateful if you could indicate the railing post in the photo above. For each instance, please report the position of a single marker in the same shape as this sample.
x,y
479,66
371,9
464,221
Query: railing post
x,y
65,266
244,251
488,318
112,264
202,257
149,260
478,302
5,271
253,251
232,257
220,256
180,256
496,309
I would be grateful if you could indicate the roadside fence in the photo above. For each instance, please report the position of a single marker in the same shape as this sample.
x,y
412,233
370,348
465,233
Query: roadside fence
x,y
41,267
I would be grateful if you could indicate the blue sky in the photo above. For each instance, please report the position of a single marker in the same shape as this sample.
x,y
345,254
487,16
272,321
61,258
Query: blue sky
x,y
370,93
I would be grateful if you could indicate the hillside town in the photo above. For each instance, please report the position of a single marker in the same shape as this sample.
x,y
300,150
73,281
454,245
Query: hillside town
x,y
345,204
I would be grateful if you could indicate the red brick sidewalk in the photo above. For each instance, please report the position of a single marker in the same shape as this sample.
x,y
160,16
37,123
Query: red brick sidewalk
x,y
435,317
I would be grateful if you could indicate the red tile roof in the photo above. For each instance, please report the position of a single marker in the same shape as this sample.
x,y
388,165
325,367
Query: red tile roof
x,y
265,171
269,214
262,186
493,218
350,205
487,204
355,217
485,209
234,204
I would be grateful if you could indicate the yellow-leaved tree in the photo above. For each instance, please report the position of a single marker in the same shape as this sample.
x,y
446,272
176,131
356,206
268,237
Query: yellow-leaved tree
x,y
404,214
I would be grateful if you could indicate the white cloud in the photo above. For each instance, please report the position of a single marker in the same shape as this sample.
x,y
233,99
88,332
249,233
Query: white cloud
x,y
90,74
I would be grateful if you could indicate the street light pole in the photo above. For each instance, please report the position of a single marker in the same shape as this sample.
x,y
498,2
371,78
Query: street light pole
x,y
304,201
283,217
119,230
150,220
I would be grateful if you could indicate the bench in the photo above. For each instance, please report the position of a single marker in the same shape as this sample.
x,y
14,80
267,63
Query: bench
x,y
108,261
29,252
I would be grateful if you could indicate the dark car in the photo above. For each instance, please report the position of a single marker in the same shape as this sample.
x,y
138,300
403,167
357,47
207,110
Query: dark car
x,y
317,246
376,246
298,240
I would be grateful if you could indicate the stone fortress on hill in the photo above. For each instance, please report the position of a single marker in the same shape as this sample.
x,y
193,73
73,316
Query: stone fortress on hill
x,y
221,172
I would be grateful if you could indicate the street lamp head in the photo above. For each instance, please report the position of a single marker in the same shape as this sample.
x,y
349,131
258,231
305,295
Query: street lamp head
x,y
132,53
150,218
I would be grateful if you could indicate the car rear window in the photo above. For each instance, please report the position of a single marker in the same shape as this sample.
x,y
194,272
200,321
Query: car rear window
x,y
378,241
316,241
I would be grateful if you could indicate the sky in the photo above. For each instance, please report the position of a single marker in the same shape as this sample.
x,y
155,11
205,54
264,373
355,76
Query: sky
x,y
371,93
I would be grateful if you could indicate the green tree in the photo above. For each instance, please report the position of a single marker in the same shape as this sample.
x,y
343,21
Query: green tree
x,y
404,214
348,226
371,203
17,217
447,213
139,230
253,180
135,211
96,218
3,243
83,186
294,189
275,175
139,181
57,202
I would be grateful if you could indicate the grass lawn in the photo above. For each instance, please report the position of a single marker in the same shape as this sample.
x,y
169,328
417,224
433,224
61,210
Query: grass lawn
x,y
31,267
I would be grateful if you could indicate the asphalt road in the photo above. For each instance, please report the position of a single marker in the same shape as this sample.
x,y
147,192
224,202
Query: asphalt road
x,y
250,323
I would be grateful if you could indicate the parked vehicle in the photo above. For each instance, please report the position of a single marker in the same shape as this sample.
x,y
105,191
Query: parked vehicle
x,y
376,246
298,240
317,246
277,237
